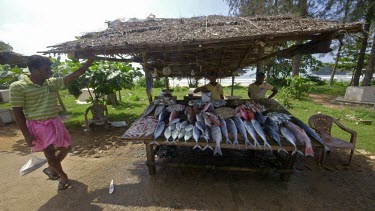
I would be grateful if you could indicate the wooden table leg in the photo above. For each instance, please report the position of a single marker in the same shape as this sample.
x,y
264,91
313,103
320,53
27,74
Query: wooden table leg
x,y
287,164
150,159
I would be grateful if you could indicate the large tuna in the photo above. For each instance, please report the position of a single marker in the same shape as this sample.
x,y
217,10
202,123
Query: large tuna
x,y
233,131
301,135
224,131
150,108
216,137
196,136
275,136
290,138
167,134
269,122
159,109
241,128
258,128
251,130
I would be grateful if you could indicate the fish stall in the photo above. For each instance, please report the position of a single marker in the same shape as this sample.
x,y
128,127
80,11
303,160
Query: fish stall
x,y
253,125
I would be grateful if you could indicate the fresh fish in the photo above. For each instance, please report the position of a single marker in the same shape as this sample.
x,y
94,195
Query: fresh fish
x,y
188,135
172,127
184,124
164,115
214,119
206,106
233,131
269,122
175,133
309,131
241,128
301,135
207,137
158,131
243,113
207,120
258,128
167,134
181,134
150,108
224,131
178,126
199,117
250,115
196,136
259,116
190,114
275,136
189,127
290,138
159,109
216,137
174,121
251,130
173,116
201,126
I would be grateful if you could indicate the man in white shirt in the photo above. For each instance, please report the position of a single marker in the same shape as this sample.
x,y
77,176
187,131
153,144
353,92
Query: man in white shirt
x,y
258,89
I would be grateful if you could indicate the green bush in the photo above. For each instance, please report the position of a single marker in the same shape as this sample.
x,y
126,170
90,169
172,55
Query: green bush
x,y
316,79
284,97
299,86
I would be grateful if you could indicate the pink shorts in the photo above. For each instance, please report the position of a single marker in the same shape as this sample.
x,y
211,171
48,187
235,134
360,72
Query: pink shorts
x,y
48,132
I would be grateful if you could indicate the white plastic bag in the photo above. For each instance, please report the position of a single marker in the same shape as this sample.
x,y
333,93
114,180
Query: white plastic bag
x,y
33,164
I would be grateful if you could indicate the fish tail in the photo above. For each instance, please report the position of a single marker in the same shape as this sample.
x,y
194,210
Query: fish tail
x,y
228,141
309,151
154,142
282,149
249,143
166,142
266,144
297,151
218,150
236,143
257,143
197,146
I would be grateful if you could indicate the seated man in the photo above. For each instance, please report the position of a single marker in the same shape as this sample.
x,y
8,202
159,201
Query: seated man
x,y
215,88
258,89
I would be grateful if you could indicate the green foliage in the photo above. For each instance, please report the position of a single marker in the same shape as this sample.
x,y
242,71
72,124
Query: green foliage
x,y
299,86
316,79
284,97
157,83
9,75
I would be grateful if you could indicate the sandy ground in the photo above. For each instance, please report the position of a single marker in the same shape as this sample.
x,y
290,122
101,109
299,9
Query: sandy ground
x,y
333,187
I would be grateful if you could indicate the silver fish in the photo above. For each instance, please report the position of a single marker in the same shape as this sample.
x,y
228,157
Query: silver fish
x,y
164,115
175,133
207,120
272,124
178,126
258,128
172,127
290,138
199,117
207,137
158,131
224,131
196,136
189,127
301,135
167,134
181,134
251,130
233,131
241,128
184,124
216,137
159,109
188,135
150,108
275,136
201,126
174,121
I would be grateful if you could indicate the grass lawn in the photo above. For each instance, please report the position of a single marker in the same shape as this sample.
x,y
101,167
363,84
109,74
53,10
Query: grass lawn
x,y
134,102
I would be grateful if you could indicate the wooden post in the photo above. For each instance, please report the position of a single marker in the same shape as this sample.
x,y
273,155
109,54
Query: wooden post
x,y
260,63
231,91
150,159
148,77
167,82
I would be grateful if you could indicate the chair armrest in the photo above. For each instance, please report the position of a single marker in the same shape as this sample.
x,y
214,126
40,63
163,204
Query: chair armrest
x,y
353,133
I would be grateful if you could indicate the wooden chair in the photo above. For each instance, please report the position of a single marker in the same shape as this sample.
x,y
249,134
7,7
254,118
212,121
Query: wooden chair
x,y
99,113
322,124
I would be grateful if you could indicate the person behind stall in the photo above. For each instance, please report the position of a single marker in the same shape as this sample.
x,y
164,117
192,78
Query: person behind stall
x,y
258,89
34,103
214,87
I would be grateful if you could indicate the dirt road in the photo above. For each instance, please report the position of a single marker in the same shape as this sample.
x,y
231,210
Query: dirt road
x,y
310,187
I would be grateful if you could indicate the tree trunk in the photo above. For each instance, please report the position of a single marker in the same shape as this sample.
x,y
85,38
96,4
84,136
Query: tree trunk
x,y
112,99
335,66
296,62
362,52
61,102
370,67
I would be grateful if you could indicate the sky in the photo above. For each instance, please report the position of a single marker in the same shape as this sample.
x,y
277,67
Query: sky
x,y
30,26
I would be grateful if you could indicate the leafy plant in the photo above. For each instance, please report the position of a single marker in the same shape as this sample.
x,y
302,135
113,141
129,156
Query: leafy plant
x,y
8,75
299,87
284,97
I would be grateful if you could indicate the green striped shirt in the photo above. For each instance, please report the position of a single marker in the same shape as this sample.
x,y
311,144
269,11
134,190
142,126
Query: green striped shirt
x,y
38,102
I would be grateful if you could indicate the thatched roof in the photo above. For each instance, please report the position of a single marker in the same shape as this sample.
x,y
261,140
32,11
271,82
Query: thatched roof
x,y
13,59
212,43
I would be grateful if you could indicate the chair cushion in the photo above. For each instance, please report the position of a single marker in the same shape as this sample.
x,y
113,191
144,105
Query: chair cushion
x,y
337,143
